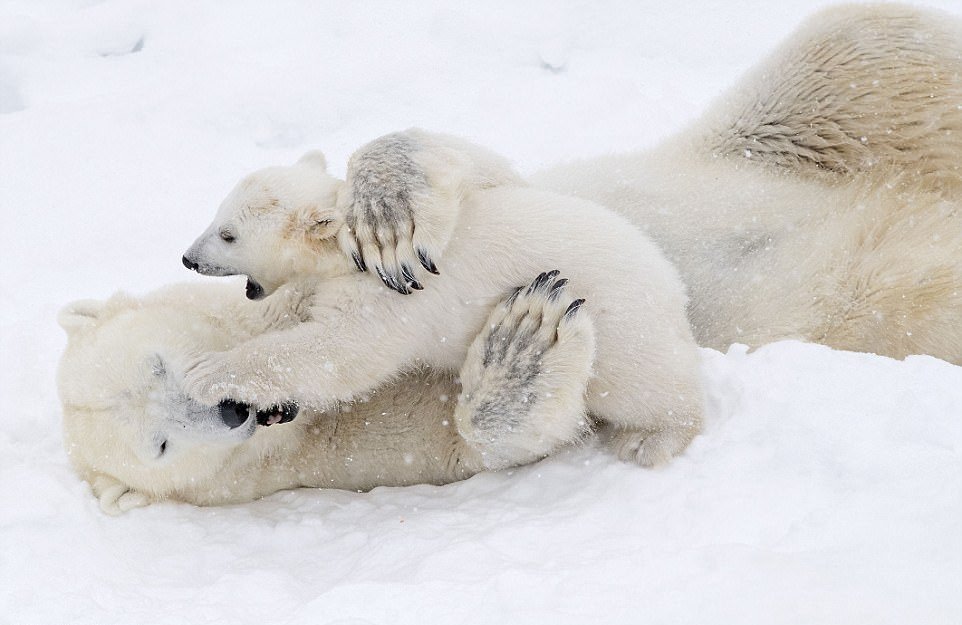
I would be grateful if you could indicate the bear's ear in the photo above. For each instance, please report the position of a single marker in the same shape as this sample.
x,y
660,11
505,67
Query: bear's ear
x,y
81,314
314,223
314,158
319,225
87,313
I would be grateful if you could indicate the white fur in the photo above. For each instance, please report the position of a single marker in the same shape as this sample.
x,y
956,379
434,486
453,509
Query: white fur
x,y
646,372
121,385
820,198
852,243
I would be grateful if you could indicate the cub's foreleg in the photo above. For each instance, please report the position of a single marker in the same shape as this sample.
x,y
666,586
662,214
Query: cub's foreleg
x,y
402,198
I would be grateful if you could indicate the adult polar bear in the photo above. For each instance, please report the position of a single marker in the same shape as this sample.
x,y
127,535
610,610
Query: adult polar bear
x,y
136,437
820,199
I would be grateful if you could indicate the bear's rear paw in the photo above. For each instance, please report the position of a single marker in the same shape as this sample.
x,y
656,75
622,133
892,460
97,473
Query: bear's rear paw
x,y
523,381
650,448
116,498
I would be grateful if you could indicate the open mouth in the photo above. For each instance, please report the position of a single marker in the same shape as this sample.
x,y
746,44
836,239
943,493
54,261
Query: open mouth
x,y
277,414
235,414
254,290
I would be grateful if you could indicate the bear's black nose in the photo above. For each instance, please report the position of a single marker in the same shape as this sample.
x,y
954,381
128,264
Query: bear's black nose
x,y
233,414
190,264
254,290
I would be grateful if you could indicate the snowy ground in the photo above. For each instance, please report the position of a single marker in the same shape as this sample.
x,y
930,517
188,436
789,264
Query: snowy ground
x,y
826,489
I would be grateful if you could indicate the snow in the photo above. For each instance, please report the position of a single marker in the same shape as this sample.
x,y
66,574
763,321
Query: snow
x,y
827,487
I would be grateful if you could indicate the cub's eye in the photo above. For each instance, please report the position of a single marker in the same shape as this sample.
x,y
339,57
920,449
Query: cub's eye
x,y
226,236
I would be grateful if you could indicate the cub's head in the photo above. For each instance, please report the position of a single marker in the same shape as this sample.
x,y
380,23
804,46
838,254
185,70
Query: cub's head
x,y
129,428
277,224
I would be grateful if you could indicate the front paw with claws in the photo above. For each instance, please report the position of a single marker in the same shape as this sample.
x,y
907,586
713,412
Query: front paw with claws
x,y
384,201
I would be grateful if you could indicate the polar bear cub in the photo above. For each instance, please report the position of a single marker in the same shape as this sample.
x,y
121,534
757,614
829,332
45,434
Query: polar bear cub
x,y
409,198
134,434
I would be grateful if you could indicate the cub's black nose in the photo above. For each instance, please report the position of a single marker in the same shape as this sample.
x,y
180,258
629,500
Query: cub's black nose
x,y
254,290
233,414
190,264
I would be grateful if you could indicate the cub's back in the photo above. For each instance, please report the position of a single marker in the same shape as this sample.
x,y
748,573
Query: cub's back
x,y
508,235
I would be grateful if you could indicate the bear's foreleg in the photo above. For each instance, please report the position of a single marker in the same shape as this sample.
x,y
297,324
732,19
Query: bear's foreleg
x,y
402,198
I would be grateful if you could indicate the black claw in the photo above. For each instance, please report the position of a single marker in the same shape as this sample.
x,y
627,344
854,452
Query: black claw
x,y
392,282
400,286
551,275
513,296
426,262
358,261
407,273
573,308
540,280
414,284
555,289
386,279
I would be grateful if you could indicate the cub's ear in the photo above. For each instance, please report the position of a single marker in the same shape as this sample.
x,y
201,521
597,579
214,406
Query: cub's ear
x,y
315,158
316,223
81,314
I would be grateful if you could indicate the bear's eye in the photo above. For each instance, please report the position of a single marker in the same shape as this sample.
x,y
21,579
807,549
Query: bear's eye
x,y
226,236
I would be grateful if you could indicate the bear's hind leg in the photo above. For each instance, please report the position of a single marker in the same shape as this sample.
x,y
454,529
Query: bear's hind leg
x,y
651,447
651,417
524,378
856,90
115,497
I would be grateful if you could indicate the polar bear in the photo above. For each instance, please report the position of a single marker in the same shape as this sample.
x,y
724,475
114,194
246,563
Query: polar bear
x,y
818,200
783,222
287,223
821,198
132,432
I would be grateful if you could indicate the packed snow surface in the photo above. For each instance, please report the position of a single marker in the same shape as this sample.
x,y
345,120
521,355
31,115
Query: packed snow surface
x,y
827,487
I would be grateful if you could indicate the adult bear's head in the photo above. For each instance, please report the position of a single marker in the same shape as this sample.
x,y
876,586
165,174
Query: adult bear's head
x,y
129,427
